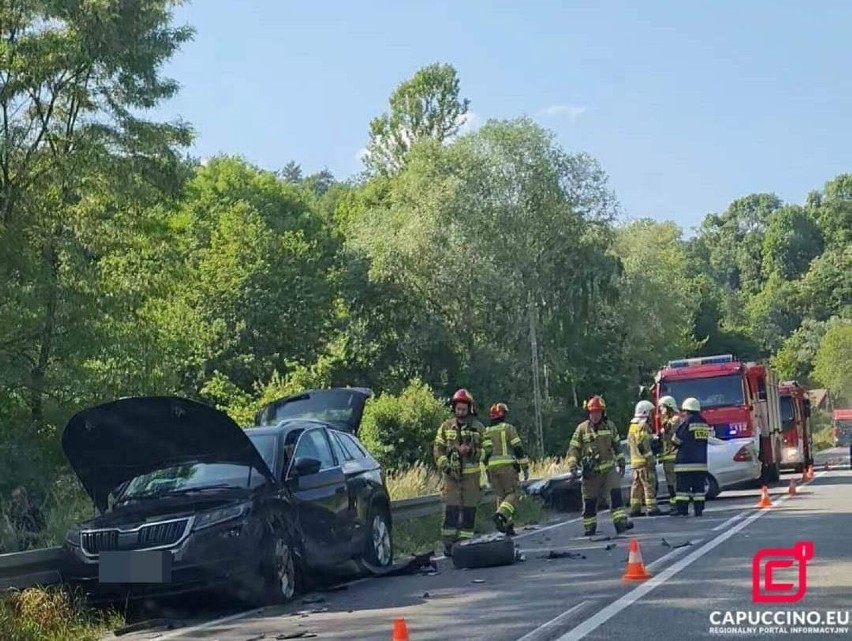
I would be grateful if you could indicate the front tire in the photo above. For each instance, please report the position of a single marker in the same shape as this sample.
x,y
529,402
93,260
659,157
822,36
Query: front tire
x,y
277,578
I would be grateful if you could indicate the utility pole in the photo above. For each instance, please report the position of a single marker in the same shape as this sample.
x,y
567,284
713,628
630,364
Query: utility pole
x,y
535,372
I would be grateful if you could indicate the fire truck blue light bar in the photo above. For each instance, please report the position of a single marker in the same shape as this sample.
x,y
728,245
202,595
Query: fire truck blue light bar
x,y
701,360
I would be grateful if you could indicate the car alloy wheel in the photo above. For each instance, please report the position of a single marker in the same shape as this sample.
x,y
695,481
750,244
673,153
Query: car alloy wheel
x,y
381,540
285,569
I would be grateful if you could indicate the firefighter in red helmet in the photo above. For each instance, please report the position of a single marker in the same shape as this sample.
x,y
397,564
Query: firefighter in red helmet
x,y
503,455
596,447
457,450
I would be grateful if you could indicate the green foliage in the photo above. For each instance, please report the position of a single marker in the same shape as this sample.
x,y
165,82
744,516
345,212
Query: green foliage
x,y
833,362
398,430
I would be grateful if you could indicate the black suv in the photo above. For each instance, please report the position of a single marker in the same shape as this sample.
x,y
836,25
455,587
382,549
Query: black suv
x,y
188,500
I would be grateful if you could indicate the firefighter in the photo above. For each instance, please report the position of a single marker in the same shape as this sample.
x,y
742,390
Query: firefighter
x,y
504,457
690,467
669,419
596,447
457,452
643,462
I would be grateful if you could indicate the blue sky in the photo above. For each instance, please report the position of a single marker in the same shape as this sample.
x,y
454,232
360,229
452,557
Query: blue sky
x,y
687,105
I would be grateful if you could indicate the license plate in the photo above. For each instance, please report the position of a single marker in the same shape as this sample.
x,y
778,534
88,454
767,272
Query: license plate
x,y
141,566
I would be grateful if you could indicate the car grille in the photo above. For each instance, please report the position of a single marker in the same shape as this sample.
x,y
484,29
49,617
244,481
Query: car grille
x,y
146,536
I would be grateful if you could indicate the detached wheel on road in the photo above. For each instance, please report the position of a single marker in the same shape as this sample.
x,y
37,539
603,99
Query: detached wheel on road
x,y
484,552
378,550
277,578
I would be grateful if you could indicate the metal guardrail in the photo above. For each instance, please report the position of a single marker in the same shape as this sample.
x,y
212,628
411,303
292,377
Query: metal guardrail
x,y
42,567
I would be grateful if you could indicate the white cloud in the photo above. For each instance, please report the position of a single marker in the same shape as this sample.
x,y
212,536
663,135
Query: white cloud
x,y
572,112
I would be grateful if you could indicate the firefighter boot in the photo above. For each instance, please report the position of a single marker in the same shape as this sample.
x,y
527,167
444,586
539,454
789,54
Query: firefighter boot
x,y
635,511
510,530
622,526
698,507
590,530
655,511
671,494
500,522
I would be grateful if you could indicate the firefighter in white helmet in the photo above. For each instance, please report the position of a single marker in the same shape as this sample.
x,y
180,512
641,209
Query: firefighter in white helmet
x,y
643,462
669,419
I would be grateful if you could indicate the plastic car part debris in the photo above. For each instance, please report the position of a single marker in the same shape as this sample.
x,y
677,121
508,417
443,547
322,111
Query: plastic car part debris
x,y
416,563
555,554
676,545
257,637
296,635
478,581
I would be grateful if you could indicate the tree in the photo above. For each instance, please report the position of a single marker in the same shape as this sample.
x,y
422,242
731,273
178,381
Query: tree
x,y
428,105
833,363
792,240
291,172
77,168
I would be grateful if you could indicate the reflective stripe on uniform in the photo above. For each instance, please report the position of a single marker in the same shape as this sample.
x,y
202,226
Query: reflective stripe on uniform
x,y
507,507
466,534
690,467
472,470
443,460
618,514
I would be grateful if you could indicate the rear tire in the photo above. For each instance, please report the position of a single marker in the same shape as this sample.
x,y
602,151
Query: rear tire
x,y
484,552
378,548
711,488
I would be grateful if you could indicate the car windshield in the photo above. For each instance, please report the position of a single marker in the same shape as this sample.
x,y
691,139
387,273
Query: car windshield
x,y
333,406
787,415
192,476
189,477
717,391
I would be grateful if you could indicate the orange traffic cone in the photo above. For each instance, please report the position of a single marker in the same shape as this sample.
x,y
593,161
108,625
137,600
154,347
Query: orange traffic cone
x,y
635,566
764,498
792,489
400,630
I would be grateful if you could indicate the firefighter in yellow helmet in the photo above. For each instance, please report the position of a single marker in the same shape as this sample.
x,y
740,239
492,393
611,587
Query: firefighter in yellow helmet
x,y
596,447
669,419
643,462
457,451
504,457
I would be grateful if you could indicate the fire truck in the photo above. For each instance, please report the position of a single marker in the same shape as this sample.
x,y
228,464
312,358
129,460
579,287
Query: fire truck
x,y
842,420
797,438
738,399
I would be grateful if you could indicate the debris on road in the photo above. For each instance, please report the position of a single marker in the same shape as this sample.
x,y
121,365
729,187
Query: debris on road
x,y
310,600
423,563
676,545
555,554
296,635
478,581
150,624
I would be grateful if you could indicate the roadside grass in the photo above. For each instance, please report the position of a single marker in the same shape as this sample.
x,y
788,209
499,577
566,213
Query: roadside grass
x,y
824,439
52,614
422,480
66,504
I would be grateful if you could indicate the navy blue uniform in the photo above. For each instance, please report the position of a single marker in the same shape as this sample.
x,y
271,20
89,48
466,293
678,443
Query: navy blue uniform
x,y
690,466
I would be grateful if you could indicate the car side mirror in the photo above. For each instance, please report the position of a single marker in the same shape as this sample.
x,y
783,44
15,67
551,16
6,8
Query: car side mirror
x,y
305,466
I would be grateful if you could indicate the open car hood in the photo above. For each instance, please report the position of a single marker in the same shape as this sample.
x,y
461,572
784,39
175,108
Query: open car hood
x,y
340,407
110,444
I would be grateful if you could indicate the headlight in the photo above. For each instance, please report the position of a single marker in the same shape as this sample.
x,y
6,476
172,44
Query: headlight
x,y
790,452
214,517
72,537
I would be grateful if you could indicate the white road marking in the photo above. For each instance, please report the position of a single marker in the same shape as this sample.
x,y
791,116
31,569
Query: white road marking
x,y
593,623
730,521
538,632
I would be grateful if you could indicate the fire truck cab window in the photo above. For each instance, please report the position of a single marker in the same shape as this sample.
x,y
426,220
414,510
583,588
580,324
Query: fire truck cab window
x,y
717,391
761,389
787,413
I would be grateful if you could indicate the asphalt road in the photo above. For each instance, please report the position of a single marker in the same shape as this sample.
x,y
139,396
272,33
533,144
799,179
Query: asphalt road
x,y
573,598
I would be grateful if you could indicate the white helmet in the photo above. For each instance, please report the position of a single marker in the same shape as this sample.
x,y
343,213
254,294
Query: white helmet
x,y
691,405
643,409
667,401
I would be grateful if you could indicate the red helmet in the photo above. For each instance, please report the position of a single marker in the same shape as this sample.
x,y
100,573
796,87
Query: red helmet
x,y
595,403
462,396
498,410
